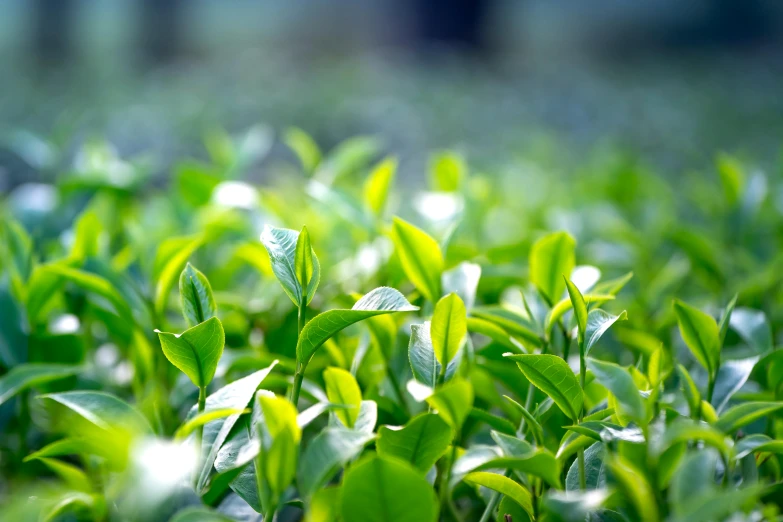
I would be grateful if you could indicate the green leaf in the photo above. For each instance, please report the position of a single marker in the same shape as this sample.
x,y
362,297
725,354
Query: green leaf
x,y
453,402
170,259
236,395
280,244
753,327
94,284
568,506
564,305
199,514
421,258
580,308
757,444
378,185
743,414
421,442
717,505
598,322
383,300
700,333
595,470
496,422
636,488
463,280
532,423
539,462
619,382
190,425
732,375
196,298
725,319
325,505
70,446
196,351
342,389
387,490
690,390
325,454
447,171
102,409
425,366
303,259
26,376
305,148
553,376
70,474
686,430
449,327
695,475
551,258
503,485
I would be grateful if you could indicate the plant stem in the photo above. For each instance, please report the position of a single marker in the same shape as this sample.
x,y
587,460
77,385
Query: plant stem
x,y
582,375
202,404
300,367
486,516
711,387
297,386
270,514
446,476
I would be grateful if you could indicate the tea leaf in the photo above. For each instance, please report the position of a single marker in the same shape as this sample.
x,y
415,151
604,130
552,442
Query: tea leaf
x,y
26,376
618,381
700,333
421,442
420,256
453,402
448,328
378,184
342,388
383,300
373,490
280,244
551,258
196,351
196,298
503,485
325,454
553,376
743,414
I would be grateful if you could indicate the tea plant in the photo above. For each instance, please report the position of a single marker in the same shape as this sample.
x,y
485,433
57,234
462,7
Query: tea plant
x,y
406,375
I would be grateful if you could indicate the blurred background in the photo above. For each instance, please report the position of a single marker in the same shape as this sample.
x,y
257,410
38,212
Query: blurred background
x,y
671,81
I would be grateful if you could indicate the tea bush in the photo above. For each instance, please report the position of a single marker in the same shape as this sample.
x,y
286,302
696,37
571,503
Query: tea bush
x,y
178,353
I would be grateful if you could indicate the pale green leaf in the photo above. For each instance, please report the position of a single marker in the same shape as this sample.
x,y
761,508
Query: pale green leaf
x,y
196,299
620,383
551,258
421,258
196,351
448,328
342,389
378,185
503,485
453,402
280,244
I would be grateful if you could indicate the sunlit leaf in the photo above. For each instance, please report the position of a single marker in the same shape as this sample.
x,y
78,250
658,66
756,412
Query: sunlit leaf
x,y
421,258
553,376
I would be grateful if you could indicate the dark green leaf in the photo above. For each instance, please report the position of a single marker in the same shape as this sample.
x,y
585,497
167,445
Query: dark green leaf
x,y
700,333
27,376
421,442
325,454
387,490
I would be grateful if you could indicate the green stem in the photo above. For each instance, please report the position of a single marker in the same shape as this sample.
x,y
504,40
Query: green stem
x,y
202,404
711,387
582,375
486,516
297,386
446,476
397,389
270,514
